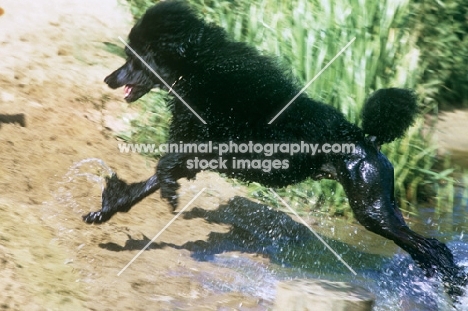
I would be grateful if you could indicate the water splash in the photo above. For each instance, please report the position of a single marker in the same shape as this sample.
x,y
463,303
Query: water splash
x,y
81,187
76,192
248,276
101,171
395,286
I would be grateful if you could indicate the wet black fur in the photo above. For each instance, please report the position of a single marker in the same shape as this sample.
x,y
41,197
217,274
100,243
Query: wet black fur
x,y
237,92
382,109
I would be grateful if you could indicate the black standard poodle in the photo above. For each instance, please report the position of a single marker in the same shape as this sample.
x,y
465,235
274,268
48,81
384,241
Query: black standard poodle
x,y
234,93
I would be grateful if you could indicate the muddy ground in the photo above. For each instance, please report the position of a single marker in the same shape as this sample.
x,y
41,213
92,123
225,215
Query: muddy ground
x,y
55,112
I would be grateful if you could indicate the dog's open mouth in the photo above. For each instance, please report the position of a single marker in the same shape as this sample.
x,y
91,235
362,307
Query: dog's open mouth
x,y
128,90
132,92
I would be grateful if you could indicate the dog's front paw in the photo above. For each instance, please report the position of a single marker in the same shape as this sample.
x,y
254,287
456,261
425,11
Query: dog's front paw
x,y
114,199
96,217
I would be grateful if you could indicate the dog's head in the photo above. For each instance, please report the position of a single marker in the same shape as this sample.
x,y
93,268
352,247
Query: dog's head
x,y
158,48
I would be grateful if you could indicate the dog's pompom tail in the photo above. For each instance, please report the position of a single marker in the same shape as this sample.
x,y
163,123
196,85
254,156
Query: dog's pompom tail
x,y
388,113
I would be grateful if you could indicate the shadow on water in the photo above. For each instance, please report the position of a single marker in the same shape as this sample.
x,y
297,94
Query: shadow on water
x,y
295,252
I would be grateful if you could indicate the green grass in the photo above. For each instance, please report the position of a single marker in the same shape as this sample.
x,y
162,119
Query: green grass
x,y
152,126
305,35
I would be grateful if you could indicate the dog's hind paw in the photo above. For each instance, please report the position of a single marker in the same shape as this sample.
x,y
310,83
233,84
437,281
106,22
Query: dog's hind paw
x,y
96,217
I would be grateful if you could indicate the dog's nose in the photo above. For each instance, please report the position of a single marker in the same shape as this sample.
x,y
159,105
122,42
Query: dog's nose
x,y
112,81
107,79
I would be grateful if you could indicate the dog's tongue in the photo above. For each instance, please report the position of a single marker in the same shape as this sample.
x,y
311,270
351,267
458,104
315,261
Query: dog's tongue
x,y
128,90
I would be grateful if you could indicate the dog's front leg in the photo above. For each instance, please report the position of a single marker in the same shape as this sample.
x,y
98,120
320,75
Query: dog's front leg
x,y
119,196
172,167
367,178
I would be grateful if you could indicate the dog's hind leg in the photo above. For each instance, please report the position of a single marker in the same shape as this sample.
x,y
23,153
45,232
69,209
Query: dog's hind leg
x,y
367,177
118,196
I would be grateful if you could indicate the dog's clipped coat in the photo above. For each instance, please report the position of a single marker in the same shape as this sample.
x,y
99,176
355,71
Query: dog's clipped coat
x,y
238,91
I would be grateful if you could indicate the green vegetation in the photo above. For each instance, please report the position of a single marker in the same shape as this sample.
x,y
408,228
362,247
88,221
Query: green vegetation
x,y
392,48
152,126
441,28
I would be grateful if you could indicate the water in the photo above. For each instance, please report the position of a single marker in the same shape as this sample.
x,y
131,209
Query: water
x,y
83,184
394,279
